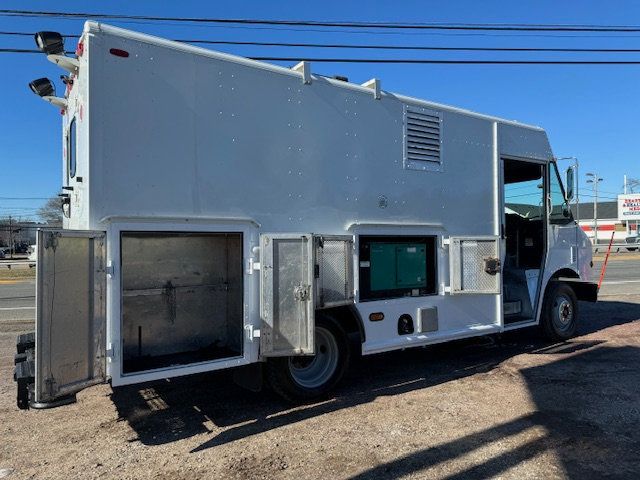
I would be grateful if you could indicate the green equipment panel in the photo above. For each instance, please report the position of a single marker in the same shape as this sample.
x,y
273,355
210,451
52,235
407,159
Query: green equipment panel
x,y
398,265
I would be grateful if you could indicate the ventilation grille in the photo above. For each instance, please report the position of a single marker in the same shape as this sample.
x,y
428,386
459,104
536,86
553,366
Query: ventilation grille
x,y
422,142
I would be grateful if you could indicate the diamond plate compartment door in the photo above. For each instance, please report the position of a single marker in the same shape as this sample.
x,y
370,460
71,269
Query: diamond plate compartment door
x,y
474,265
70,313
287,294
333,270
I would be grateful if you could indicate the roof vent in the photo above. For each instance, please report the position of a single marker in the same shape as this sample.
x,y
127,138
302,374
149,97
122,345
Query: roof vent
x,y
422,139
342,78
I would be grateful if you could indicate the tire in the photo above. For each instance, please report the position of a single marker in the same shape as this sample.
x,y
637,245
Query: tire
x,y
632,249
305,378
560,312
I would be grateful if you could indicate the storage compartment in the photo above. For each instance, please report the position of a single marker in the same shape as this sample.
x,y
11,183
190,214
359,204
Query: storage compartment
x,y
181,298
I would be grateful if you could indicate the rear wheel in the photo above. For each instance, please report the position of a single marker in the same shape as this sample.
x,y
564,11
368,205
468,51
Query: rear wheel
x,y
303,378
560,312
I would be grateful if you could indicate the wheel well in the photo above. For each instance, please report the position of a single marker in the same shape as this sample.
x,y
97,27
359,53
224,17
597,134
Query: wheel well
x,y
347,316
586,291
565,272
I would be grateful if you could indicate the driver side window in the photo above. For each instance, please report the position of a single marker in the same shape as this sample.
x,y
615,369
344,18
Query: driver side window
x,y
560,213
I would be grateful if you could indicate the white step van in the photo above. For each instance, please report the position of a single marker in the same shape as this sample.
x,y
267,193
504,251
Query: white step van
x,y
221,212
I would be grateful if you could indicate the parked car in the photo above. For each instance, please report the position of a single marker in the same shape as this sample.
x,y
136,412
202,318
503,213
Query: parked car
x,y
633,240
1,253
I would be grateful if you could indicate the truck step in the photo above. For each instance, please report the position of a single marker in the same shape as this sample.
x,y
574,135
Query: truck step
x,y
512,308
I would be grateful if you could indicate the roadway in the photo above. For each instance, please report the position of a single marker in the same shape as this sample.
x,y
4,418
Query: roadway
x,y
17,297
17,305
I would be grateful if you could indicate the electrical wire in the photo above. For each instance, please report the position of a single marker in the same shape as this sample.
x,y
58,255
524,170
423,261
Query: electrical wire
x,y
339,24
24,198
376,47
424,61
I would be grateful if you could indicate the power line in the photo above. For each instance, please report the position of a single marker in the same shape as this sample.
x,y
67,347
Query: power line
x,y
339,24
416,61
377,47
24,198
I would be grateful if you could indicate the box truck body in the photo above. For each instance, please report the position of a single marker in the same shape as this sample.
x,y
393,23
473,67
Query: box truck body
x,y
218,207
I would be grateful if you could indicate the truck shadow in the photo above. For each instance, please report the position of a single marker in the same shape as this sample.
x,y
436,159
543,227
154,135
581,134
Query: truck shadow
x,y
166,411
586,415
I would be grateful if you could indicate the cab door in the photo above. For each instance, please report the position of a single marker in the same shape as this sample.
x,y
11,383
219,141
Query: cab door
x,y
70,314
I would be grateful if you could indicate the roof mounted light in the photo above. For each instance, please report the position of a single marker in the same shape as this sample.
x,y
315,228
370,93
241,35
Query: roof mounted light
x,y
45,90
42,87
50,43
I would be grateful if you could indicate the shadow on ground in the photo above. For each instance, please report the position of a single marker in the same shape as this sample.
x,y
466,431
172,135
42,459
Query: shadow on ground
x,y
588,402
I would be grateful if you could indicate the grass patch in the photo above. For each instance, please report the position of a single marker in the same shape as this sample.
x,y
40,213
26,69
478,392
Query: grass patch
x,y
17,273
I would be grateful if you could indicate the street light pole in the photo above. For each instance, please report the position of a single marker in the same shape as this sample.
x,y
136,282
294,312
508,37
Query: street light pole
x,y
595,179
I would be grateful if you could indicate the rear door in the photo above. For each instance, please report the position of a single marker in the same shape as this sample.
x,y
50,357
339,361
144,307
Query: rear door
x,y
70,313
286,294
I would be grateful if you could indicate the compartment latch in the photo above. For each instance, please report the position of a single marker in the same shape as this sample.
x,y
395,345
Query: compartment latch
x,y
302,293
491,265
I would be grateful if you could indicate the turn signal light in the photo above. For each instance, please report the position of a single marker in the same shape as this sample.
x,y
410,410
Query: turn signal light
x,y
376,316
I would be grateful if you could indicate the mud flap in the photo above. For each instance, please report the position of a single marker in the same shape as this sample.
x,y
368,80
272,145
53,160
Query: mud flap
x,y
24,370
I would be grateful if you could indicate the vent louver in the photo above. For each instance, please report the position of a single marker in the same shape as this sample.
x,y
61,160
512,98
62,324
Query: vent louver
x,y
422,139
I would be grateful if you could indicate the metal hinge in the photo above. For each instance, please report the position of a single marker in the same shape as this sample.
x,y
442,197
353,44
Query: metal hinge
x,y
253,265
252,332
110,352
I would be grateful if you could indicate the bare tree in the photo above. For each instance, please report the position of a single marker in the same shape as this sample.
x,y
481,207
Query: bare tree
x,y
51,212
633,184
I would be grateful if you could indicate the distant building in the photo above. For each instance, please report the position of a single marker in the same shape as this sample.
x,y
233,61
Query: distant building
x,y
608,222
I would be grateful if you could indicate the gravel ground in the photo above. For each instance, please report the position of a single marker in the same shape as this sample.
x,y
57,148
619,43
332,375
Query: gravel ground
x,y
512,407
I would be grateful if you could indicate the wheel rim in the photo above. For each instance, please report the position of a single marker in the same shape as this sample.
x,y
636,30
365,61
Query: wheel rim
x,y
563,313
315,371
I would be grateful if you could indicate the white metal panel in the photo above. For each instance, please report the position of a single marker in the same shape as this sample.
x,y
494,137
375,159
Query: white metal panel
x,y
70,312
525,143
287,294
313,157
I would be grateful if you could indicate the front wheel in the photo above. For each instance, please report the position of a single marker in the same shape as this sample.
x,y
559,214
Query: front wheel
x,y
304,378
560,312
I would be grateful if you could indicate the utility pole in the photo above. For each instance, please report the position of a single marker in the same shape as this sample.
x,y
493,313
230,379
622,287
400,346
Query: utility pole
x,y
595,179
10,238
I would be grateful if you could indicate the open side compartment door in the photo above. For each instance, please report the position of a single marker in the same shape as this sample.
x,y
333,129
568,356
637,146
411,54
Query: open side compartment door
x,y
474,265
70,315
287,294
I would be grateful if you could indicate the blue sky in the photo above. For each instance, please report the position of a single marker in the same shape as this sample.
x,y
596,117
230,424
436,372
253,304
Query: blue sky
x,y
591,112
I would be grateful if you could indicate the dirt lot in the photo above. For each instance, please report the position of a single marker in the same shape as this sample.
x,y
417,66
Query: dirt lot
x,y
512,407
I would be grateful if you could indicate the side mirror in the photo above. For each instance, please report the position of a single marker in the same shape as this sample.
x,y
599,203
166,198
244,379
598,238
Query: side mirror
x,y
569,183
